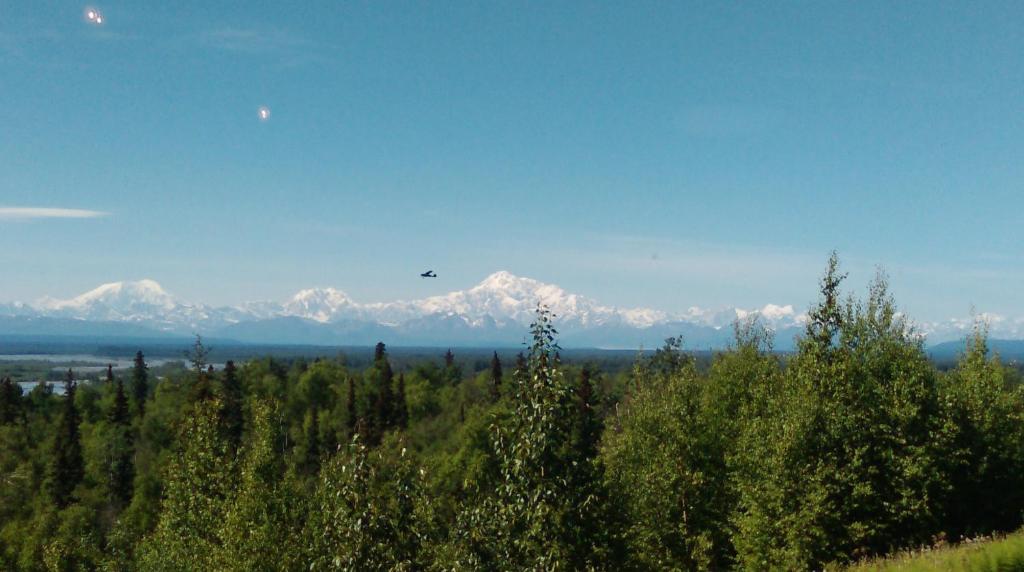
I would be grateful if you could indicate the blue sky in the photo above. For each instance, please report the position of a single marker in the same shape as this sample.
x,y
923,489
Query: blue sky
x,y
644,154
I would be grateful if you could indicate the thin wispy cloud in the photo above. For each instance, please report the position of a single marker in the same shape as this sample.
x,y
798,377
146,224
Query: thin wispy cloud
x,y
35,213
252,40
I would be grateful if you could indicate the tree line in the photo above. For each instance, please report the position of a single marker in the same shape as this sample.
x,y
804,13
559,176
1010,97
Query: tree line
x,y
853,446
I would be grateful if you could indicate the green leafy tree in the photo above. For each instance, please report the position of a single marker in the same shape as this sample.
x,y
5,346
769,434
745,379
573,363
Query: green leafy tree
x,y
309,451
197,482
401,412
983,426
368,512
665,468
842,463
262,521
532,520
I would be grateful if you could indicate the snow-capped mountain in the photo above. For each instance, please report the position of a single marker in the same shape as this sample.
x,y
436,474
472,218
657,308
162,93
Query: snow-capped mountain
x,y
495,311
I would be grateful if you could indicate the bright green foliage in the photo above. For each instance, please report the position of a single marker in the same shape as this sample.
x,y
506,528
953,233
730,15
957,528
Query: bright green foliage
x,y
984,430
666,469
979,554
75,544
367,512
400,415
533,519
308,450
263,517
198,480
842,462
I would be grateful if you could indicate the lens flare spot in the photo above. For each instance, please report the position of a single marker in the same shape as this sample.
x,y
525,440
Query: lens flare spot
x,y
263,113
92,15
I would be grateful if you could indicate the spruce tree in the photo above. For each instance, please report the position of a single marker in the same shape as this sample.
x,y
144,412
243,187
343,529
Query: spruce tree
x,y
66,465
378,352
120,449
588,426
110,373
401,413
10,401
140,383
495,377
231,415
351,420
385,405
452,371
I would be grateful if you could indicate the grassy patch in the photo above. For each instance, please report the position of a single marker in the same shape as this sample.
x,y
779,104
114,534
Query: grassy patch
x,y
998,554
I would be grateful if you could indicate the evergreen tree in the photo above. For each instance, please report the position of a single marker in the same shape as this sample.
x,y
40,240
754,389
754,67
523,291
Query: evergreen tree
x,y
452,371
198,356
378,352
110,373
496,374
825,319
401,413
67,468
140,383
10,401
120,449
384,409
588,426
352,417
231,415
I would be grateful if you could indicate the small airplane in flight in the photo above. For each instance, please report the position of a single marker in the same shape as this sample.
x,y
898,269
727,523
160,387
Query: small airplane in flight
x,y
428,274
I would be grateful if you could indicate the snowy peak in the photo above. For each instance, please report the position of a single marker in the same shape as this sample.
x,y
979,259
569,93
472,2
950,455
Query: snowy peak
x,y
506,297
319,304
142,299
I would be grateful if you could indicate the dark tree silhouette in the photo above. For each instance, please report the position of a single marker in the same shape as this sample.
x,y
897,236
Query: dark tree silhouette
x,y
231,416
351,422
140,383
10,401
67,468
121,449
401,412
495,377
384,409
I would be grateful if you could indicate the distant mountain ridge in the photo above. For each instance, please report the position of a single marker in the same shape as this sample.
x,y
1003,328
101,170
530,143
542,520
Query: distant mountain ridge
x,y
495,311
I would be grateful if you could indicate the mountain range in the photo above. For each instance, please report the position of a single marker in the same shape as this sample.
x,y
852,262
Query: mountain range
x,y
495,312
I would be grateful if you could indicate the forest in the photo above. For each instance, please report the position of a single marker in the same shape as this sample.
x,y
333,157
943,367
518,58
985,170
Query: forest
x,y
852,447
